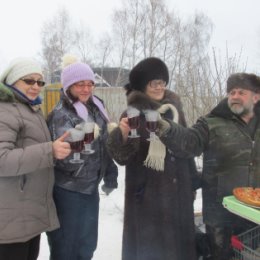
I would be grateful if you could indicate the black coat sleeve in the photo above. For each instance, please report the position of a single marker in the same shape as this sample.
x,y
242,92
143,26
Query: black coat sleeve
x,y
121,152
187,142
195,175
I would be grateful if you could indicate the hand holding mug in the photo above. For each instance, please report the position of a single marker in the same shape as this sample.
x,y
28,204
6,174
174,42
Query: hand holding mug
x,y
61,149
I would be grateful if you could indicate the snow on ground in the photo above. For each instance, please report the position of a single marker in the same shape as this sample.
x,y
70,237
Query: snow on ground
x,y
110,223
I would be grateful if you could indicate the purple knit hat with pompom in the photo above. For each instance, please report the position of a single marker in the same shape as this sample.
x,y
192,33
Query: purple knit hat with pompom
x,y
74,73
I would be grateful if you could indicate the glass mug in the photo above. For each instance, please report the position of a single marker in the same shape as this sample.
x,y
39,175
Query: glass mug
x,y
133,115
76,141
151,117
88,129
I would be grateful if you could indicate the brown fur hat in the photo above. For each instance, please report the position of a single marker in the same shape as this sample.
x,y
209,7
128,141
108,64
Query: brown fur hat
x,y
146,70
245,81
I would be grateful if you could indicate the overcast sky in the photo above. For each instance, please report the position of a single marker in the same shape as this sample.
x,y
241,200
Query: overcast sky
x,y
236,23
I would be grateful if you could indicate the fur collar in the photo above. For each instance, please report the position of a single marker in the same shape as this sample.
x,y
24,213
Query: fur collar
x,y
6,94
141,101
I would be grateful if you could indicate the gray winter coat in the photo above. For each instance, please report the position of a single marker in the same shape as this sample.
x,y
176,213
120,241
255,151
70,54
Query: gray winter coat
x,y
26,171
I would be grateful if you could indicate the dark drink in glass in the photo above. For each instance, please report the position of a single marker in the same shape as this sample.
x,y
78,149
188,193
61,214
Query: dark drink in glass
x,y
133,115
77,146
151,117
134,122
76,143
89,137
151,125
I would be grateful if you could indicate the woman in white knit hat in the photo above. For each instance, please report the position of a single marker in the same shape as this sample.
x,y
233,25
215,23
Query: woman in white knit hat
x,y
76,191
26,157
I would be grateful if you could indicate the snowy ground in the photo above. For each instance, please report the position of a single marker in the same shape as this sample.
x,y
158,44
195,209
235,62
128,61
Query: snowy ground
x,y
110,223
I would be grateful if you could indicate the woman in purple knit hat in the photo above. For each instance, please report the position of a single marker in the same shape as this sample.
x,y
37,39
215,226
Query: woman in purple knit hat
x,y
76,184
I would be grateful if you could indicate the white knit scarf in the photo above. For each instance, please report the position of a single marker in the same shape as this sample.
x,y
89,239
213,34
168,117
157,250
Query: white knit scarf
x,y
157,150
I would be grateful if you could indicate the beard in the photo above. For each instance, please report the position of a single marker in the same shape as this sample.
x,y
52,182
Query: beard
x,y
240,109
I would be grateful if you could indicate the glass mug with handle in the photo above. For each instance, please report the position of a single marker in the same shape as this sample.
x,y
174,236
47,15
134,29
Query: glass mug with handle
x,y
151,117
133,115
88,129
76,141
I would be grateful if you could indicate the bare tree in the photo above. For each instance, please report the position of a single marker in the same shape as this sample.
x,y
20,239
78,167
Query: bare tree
x,y
57,39
122,37
83,44
190,74
145,24
105,49
144,28
151,30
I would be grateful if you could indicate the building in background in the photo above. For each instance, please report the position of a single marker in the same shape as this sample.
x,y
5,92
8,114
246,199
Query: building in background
x,y
115,77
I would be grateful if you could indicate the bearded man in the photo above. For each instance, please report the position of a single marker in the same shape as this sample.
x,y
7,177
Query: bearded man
x,y
229,138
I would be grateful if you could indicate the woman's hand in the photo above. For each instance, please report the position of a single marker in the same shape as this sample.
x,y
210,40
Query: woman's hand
x,y
60,148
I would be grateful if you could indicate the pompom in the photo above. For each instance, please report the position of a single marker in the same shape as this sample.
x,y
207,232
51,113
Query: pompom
x,y
111,126
96,131
68,59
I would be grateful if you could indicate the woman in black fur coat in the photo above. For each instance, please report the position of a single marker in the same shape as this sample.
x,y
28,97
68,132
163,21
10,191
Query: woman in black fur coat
x,y
158,214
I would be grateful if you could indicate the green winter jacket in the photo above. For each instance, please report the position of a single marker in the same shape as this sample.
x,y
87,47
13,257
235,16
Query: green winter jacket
x,y
231,157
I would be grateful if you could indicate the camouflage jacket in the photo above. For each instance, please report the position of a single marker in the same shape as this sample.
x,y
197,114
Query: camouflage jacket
x,y
231,157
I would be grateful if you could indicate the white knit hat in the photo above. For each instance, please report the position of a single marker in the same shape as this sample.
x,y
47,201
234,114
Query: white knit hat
x,y
19,68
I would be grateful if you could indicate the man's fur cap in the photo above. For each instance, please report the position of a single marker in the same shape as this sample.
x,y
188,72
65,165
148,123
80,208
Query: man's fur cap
x,y
244,81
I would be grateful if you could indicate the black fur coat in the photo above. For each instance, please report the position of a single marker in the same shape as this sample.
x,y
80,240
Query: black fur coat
x,y
158,216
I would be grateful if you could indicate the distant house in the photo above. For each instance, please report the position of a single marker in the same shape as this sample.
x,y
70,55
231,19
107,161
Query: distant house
x,y
101,82
111,77
104,77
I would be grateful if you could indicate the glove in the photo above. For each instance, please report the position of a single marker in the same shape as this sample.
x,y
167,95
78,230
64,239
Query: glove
x,y
165,107
163,126
106,190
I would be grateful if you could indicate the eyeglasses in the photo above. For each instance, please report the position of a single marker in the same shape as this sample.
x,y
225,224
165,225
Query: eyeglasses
x,y
83,84
155,83
31,82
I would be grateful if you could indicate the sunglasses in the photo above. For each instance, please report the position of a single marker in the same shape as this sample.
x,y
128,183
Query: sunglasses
x,y
31,82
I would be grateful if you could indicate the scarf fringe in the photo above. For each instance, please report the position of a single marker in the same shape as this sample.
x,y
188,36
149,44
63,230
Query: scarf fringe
x,y
156,155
